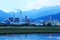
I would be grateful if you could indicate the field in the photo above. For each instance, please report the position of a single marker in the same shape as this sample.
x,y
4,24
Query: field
x,y
23,29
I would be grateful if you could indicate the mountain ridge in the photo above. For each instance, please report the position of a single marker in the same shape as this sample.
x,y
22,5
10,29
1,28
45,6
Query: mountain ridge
x,y
47,18
32,14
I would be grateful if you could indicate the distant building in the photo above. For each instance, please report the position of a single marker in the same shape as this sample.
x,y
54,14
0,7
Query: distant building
x,y
27,20
17,20
11,20
7,21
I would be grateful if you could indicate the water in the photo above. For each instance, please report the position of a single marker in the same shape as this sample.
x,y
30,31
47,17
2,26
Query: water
x,y
30,37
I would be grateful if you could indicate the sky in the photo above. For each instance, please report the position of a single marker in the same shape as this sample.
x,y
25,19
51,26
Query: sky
x,y
26,5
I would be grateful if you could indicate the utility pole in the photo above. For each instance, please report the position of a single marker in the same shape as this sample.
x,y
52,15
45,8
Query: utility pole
x,y
50,19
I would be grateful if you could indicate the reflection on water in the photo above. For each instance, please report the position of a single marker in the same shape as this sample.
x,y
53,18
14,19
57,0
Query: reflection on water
x,y
30,37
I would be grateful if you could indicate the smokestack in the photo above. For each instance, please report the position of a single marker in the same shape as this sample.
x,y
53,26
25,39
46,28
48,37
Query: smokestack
x,y
13,18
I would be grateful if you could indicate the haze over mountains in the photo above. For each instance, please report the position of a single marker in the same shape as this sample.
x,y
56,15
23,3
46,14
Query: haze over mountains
x,y
43,12
34,14
47,18
3,15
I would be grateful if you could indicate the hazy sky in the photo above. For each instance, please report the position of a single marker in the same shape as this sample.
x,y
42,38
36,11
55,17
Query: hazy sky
x,y
24,5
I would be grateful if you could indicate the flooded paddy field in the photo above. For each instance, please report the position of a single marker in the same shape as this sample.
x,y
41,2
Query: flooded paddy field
x,y
30,37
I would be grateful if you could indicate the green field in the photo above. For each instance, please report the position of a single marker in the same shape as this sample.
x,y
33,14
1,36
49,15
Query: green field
x,y
10,30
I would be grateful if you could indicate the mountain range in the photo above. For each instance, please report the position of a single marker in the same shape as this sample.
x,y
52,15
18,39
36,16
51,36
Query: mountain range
x,y
3,15
47,18
35,14
45,11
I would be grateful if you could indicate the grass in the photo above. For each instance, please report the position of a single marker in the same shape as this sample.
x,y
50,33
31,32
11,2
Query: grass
x,y
23,29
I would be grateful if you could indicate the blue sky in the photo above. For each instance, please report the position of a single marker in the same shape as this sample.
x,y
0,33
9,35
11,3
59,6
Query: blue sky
x,y
25,5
